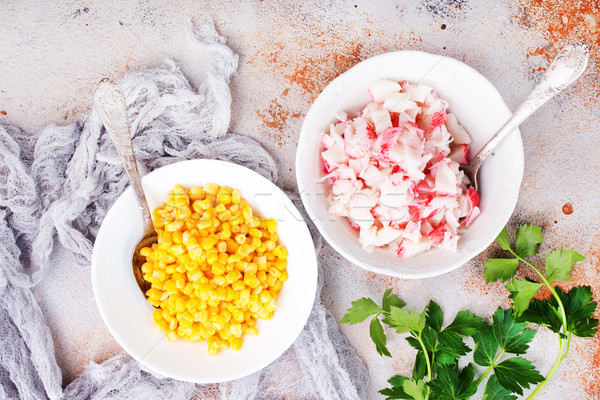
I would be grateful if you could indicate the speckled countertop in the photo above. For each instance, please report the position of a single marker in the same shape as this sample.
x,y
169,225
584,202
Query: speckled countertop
x,y
51,57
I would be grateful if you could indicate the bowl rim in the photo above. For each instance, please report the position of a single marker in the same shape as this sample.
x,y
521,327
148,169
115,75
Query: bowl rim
x,y
306,310
303,145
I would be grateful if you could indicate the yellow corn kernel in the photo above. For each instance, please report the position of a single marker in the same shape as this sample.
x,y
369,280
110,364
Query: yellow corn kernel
x,y
219,280
251,280
280,251
171,287
261,276
223,258
236,196
255,233
222,246
271,225
207,242
264,296
224,198
171,335
238,285
244,229
196,193
235,329
274,237
218,269
194,274
180,305
280,264
257,290
233,276
244,249
274,272
154,293
271,280
261,262
247,213
211,188
174,226
240,238
284,276
146,251
252,331
253,223
270,245
220,208
276,286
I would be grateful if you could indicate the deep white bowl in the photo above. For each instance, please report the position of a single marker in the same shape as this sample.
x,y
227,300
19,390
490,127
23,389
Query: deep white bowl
x,y
129,316
478,107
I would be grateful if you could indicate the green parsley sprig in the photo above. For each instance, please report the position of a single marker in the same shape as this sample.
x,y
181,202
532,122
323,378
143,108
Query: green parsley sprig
x,y
498,346
566,314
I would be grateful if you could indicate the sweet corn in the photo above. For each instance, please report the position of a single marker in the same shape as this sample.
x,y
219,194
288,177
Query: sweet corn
x,y
215,269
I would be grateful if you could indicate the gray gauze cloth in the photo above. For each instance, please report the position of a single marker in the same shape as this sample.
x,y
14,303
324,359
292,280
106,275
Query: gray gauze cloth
x,y
55,189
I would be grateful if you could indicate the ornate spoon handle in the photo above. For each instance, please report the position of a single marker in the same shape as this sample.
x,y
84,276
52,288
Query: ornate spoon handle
x,y
568,65
110,105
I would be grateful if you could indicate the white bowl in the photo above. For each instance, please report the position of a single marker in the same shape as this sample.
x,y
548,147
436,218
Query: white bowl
x,y
478,107
129,316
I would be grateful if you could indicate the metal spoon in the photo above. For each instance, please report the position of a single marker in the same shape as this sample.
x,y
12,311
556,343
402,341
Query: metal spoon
x,y
568,65
110,105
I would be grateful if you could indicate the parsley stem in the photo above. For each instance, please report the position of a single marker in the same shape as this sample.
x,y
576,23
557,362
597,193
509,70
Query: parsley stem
x,y
489,369
427,361
563,314
559,359
568,347
562,353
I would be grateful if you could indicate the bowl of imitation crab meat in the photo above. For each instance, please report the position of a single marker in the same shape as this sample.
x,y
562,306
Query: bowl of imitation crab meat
x,y
378,164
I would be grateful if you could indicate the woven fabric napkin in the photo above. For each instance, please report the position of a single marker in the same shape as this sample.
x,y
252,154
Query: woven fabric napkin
x,y
55,189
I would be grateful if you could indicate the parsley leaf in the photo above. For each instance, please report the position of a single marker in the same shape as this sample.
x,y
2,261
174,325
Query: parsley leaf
x,y
404,320
396,391
516,374
495,391
580,308
527,240
522,291
452,344
361,309
486,346
415,388
510,334
420,368
435,316
465,323
500,268
404,388
390,299
504,240
559,264
452,385
378,337
543,313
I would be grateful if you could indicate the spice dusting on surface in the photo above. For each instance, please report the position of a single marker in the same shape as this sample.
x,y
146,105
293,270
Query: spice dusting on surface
x,y
562,22
567,209
3,112
275,117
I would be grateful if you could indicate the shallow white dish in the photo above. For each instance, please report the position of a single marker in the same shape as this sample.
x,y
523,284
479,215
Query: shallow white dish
x,y
478,107
129,316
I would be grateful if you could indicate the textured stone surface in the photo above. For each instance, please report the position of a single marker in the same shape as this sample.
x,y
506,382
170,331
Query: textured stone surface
x,y
51,57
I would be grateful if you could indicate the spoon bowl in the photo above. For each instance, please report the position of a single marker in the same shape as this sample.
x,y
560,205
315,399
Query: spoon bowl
x,y
110,105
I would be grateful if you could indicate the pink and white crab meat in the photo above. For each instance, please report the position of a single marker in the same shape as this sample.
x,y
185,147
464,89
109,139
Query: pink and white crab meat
x,y
394,171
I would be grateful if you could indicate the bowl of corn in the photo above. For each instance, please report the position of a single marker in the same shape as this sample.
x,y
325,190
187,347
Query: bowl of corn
x,y
233,275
